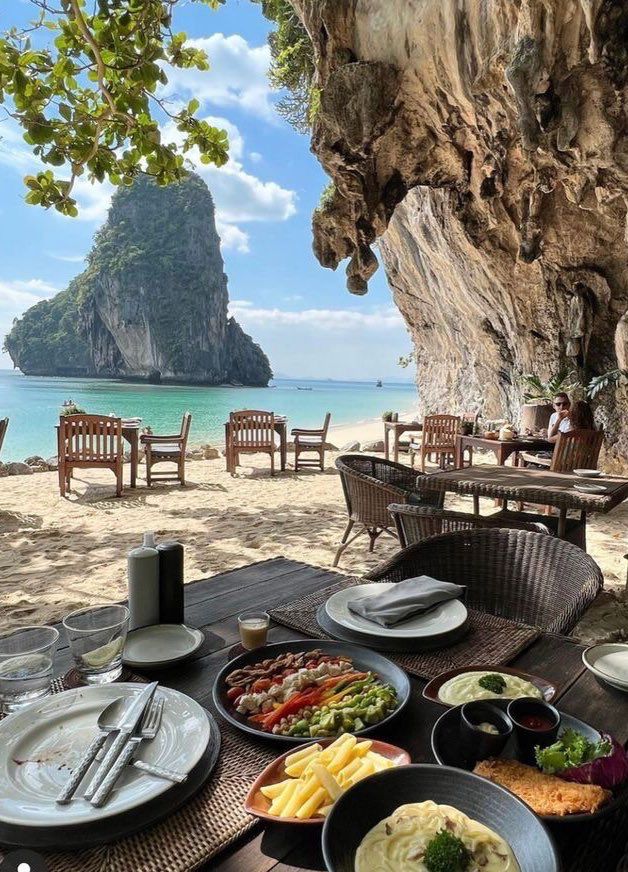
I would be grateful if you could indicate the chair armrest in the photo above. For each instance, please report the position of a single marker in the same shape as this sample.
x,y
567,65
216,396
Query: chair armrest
x,y
299,432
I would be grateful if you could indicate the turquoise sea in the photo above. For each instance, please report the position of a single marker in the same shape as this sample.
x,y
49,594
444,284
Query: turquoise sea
x,y
32,403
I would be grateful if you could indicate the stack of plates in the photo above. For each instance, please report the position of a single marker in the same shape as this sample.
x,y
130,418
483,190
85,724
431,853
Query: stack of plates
x,y
609,662
42,743
437,628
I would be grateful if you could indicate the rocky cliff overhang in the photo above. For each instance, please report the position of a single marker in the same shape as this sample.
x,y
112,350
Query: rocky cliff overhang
x,y
483,142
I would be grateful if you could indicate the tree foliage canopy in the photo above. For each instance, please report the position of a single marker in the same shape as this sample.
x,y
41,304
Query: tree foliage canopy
x,y
83,84
292,67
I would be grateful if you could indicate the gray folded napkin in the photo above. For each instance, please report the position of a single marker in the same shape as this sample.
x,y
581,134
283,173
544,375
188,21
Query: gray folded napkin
x,y
405,600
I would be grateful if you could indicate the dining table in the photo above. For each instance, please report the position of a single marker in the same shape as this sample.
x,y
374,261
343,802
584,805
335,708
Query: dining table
x,y
501,448
395,429
213,604
538,486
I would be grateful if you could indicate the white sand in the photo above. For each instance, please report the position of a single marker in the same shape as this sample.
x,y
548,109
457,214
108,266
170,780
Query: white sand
x,y
58,554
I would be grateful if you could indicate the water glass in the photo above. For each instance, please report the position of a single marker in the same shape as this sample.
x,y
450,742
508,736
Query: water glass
x,y
97,635
26,665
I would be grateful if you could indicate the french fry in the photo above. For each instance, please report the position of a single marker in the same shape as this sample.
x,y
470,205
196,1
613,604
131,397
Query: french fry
x,y
342,756
299,755
325,809
362,748
327,780
280,802
351,768
310,807
304,791
367,768
298,768
273,790
330,750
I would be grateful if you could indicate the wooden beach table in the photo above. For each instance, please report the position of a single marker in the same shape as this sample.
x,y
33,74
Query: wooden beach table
x,y
397,428
501,448
537,486
213,604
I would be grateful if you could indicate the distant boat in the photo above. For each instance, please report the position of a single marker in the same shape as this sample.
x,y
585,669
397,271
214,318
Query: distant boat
x,y
303,389
378,383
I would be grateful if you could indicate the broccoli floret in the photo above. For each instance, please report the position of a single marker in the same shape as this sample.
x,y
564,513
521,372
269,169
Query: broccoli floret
x,y
571,749
446,853
493,682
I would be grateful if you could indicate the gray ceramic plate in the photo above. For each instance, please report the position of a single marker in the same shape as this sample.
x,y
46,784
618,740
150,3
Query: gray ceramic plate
x,y
160,645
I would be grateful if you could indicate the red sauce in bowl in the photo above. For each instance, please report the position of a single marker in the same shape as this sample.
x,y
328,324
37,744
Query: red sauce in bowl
x,y
535,722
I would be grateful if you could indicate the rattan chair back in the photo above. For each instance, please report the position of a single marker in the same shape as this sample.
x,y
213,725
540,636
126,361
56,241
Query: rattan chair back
x,y
415,523
528,577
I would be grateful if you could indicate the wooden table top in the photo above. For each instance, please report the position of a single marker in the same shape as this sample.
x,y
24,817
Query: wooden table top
x,y
529,485
533,443
214,605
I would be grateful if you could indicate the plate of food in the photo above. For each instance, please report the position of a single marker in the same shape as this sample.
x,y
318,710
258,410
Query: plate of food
x,y
572,776
421,817
301,786
469,683
310,689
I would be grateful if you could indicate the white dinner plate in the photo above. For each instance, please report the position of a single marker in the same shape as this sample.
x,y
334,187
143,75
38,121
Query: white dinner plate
x,y
160,645
445,617
590,488
589,473
42,743
609,661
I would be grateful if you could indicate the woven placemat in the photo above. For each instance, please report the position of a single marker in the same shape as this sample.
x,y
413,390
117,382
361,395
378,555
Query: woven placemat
x,y
192,836
490,639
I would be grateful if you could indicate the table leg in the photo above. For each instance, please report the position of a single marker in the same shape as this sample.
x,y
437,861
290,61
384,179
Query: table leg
x,y
386,442
284,448
228,448
562,523
476,504
396,446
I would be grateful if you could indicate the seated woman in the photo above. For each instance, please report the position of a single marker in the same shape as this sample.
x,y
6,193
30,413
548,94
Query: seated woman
x,y
576,416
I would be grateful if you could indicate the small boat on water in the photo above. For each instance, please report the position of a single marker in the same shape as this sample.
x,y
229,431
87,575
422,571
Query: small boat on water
x,y
378,383
303,389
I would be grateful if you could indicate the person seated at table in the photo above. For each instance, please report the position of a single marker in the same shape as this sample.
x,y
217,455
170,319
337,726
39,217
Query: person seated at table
x,y
577,416
559,421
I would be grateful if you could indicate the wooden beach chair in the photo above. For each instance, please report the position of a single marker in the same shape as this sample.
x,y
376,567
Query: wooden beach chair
x,y
167,449
251,431
313,442
4,426
89,442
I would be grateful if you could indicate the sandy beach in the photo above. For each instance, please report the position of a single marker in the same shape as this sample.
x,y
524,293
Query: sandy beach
x,y
59,554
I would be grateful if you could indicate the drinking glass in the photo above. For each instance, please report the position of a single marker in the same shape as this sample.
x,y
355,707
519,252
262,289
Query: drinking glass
x,y
26,665
97,635
253,628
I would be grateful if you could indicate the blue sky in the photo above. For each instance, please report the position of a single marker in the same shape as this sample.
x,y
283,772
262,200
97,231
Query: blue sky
x,y
300,313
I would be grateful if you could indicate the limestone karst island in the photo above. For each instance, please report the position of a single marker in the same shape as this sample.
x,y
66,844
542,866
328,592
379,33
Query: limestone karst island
x,y
314,436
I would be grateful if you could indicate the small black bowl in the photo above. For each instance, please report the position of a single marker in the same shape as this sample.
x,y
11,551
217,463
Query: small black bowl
x,y
478,744
526,736
375,798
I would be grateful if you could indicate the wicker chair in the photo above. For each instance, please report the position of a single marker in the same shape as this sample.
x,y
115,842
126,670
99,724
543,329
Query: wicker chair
x,y
167,449
415,523
438,437
313,442
517,574
89,442
370,484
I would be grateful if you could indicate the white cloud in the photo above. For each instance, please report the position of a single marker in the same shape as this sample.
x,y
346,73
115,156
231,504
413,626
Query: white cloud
x,y
237,76
25,293
66,258
325,320
255,156
232,237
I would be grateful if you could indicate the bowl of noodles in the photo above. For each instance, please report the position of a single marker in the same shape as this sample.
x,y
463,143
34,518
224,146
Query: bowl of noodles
x,y
413,818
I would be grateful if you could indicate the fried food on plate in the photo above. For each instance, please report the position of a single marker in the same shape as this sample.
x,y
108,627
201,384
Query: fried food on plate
x,y
545,794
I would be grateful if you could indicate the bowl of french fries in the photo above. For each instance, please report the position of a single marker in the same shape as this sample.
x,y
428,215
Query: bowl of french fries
x,y
300,787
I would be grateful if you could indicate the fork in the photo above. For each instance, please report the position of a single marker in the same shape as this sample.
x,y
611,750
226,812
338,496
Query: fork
x,y
149,728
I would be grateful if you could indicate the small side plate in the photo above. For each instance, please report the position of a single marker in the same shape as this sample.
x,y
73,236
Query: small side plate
x,y
608,661
160,645
257,804
431,689
591,488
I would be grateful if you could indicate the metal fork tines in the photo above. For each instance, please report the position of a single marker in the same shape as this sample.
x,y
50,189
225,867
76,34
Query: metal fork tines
x,y
148,729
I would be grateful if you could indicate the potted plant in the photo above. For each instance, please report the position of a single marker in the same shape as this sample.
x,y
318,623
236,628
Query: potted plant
x,y
538,395
69,407
388,416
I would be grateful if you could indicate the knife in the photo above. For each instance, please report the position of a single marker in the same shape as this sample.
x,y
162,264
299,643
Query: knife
x,y
128,722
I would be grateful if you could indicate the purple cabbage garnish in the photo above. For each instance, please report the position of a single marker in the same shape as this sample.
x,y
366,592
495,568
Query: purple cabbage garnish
x,y
574,758
609,771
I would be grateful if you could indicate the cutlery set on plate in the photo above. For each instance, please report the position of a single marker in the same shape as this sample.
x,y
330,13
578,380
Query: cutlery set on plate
x,y
131,720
